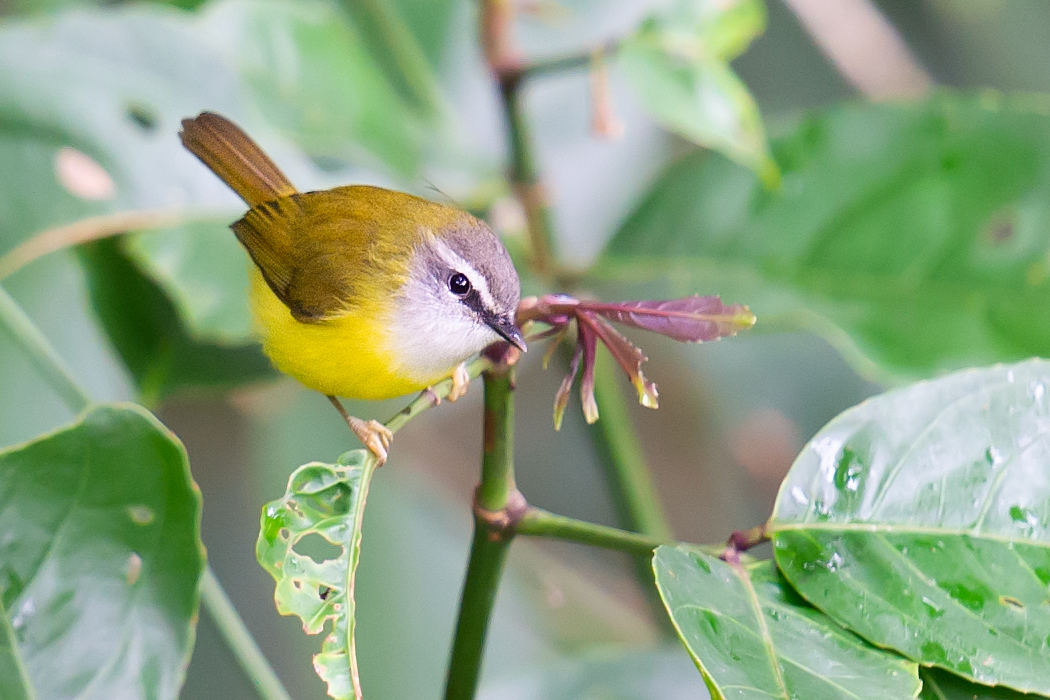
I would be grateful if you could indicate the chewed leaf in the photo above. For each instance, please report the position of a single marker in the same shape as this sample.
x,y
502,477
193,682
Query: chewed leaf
x,y
692,319
326,501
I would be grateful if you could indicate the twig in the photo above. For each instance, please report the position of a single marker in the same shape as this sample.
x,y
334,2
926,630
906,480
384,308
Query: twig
x,y
539,523
68,235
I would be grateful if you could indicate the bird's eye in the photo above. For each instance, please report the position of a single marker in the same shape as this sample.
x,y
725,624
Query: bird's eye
x,y
458,284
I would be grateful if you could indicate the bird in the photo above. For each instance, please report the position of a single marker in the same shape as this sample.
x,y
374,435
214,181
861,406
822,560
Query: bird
x,y
359,291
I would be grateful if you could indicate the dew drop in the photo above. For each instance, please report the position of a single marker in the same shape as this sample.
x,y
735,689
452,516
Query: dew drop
x,y
25,611
932,608
1037,391
799,495
993,456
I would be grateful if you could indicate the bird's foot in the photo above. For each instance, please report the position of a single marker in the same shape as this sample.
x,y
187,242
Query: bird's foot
x,y
460,382
372,434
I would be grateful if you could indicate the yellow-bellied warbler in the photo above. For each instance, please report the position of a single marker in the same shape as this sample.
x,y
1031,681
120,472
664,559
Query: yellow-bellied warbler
x,y
360,291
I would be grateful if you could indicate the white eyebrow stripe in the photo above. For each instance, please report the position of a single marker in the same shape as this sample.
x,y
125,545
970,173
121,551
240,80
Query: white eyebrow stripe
x,y
476,278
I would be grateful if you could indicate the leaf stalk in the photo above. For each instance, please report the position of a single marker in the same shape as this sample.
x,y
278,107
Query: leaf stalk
x,y
48,363
240,641
537,522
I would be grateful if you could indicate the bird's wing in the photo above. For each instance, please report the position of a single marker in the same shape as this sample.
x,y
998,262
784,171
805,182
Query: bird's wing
x,y
312,252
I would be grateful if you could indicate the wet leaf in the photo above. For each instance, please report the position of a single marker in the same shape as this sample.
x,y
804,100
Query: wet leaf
x,y
324,503
940,685
99,561
751,636
912,236
678,63
921,520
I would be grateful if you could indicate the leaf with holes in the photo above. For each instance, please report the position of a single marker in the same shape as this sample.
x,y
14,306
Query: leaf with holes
x,y
921,520
751,636
678,63
100,560
321,510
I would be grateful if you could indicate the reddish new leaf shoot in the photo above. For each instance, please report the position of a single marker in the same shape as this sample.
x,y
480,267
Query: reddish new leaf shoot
x,y
691,319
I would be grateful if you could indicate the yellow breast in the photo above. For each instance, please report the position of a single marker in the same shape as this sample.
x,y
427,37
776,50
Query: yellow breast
x,y
346,356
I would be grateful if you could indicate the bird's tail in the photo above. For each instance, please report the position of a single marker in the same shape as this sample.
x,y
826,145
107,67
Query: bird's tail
x,y
235,158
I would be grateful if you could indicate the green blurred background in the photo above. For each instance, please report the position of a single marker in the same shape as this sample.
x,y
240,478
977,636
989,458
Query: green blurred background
x,y
733,414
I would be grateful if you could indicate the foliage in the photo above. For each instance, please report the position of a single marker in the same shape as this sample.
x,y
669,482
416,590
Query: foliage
x,y
100,560
911,537
326,501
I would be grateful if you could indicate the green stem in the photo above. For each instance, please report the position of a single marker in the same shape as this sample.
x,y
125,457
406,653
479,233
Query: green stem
x,y
524,176
409,67
497,507
38,350
632,485
14,681
561,64
239,639
426,399
630,482
540,523
497,464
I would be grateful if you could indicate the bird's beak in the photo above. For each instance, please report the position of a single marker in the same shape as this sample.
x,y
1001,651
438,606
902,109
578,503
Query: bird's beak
x,y
508,331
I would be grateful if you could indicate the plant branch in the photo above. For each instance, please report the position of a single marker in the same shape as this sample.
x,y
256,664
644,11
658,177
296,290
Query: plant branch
x,y
540,523
409,66
41,354
497,509
239,639
632,485
569,62
95,228
51,366
429,398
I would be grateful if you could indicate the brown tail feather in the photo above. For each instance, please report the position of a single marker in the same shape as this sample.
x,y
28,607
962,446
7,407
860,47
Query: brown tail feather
x,y
235,158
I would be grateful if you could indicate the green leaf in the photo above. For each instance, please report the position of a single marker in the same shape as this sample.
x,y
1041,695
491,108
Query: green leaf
x,y
14,683
149,335
921,520
94,81
308,70
751,636
100,559
203,270
321,511
940,685
912,236
678,62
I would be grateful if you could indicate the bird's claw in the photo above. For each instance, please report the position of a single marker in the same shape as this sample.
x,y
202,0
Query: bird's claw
x,y
373,435
460,382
